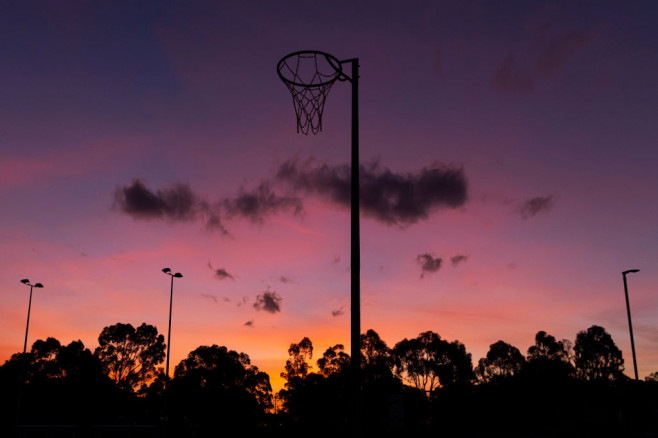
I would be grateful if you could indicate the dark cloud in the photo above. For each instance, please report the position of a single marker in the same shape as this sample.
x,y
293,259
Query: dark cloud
x,y
428,264
221,274
338,312
249,323
543,56
177,204
210,297
391,198
260,202
269,302
458,259
534,206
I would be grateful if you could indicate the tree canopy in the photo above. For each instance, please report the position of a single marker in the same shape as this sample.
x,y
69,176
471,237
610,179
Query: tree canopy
x,y
596,355
130,356
429,362
502,361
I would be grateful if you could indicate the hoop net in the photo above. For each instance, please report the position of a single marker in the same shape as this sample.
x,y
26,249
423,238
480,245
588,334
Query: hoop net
x,y
309,76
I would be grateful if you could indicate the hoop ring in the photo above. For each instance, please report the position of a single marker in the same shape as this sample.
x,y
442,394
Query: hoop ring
x,y
331,60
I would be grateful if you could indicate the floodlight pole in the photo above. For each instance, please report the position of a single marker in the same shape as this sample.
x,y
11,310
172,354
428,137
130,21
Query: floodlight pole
x,y
630,325
29,308
171,301
27,326
26,282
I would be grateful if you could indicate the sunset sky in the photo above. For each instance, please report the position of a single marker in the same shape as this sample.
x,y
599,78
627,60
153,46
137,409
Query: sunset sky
x,y
132,133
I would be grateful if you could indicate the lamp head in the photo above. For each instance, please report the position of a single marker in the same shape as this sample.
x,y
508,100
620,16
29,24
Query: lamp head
x,y
25,281
630,271
178,275
166,270
38,285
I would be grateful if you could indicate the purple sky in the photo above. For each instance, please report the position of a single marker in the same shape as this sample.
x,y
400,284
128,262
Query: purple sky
x,y
546,110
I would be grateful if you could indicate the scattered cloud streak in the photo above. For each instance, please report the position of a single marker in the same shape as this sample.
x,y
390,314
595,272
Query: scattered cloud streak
x,y
210,297
338,312
534,206
428,264
285,280
391,198
249,323
268,302
456,260
221,274
544,56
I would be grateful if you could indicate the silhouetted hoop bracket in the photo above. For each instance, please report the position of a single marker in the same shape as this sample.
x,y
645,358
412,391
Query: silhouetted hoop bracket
x,y
309,75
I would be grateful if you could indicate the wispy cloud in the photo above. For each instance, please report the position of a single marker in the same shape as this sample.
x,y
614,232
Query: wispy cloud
x,y
456,260
285,280
221,274
249,323
210,297
543,56
534,206
338,312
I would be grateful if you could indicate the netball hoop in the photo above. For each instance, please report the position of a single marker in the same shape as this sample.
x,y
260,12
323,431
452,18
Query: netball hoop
x,y
309,75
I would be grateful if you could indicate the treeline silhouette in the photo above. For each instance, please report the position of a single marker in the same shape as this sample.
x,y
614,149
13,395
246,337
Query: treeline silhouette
x,y
424,386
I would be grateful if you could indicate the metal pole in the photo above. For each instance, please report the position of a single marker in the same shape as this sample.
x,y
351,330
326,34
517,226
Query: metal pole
x,y
171,300
29,307
630,325
355,261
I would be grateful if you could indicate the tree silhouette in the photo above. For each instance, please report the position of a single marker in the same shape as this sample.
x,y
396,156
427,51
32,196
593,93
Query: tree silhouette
x,y
502,361
215,389
44,355
374,351
298,365
549,359
334,361
596,355
547,347
219,366
428,362
130,356
65,384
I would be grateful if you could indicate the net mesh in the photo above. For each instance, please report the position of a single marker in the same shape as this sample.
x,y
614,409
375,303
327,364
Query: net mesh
x,y
309,77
